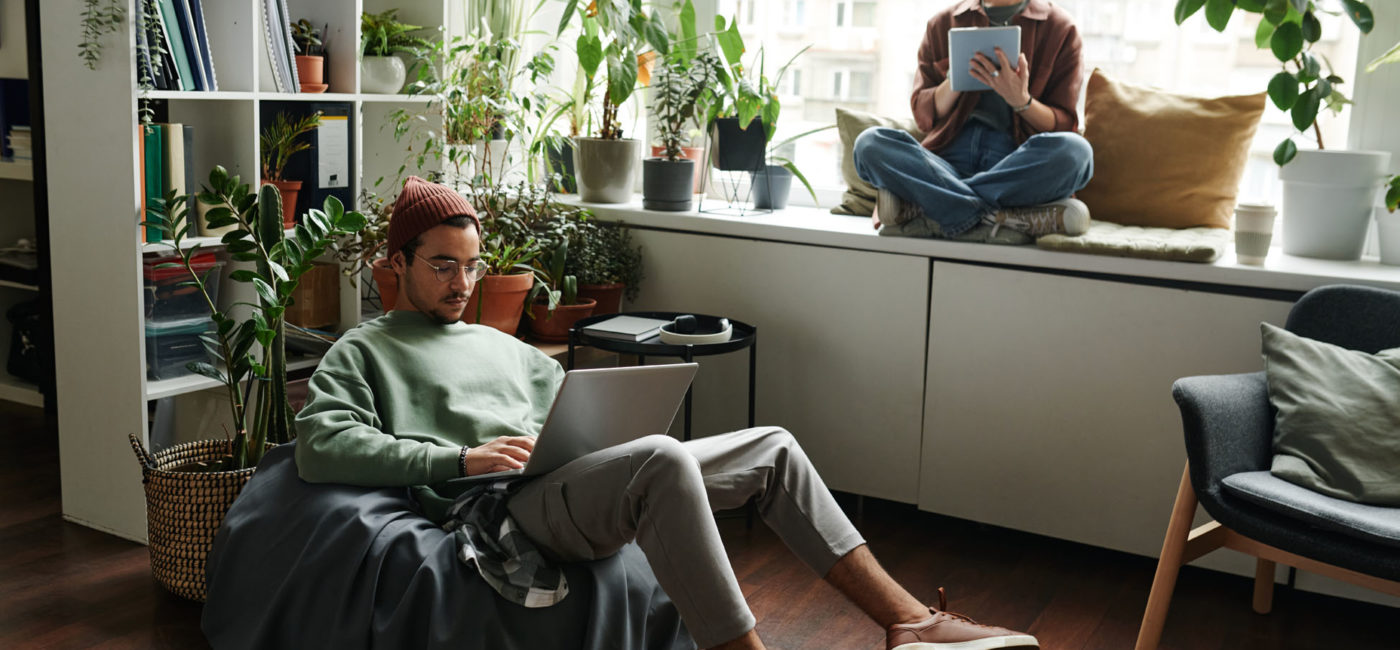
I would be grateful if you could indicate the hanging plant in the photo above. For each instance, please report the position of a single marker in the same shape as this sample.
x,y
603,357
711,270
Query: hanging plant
x,y
99,19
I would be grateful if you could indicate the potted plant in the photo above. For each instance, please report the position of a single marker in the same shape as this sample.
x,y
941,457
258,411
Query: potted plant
x,y
608,266
1327,194
742,124
310,56
382,37
622,39
683,89
560,306
772,185
190,487
278,142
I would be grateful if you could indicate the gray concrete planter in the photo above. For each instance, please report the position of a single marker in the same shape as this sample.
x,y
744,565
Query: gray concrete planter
x,y
667,186
605,169
771,188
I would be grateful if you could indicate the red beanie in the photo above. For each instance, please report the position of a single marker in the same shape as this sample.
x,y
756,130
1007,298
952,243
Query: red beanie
x,y
421,206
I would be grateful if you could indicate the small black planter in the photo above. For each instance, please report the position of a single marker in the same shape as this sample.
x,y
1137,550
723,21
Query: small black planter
x,y
771,188
561,162
666,185
738,149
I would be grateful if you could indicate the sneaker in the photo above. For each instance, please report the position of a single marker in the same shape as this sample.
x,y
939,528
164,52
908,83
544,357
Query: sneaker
x,y
948,631
987,233
894,211
1068,216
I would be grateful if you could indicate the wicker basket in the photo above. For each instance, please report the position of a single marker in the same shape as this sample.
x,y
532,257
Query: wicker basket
x,y
184,510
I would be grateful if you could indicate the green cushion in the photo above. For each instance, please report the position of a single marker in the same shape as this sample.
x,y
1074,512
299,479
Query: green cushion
x,y
859,198
1338,425
1198,244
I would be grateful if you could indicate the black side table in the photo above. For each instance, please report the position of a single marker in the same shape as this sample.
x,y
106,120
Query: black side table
x,y
744,336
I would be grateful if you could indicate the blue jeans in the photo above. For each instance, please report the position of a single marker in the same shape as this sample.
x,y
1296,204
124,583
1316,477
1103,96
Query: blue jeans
x,y
980,172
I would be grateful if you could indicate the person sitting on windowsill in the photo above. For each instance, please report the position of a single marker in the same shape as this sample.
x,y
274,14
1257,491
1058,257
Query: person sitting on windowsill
x,y
996,166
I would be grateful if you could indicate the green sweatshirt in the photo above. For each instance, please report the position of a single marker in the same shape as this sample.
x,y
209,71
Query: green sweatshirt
x,y
396,398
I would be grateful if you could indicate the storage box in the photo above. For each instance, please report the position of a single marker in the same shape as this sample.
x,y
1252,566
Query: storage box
x,y
317,298
167,300
170,345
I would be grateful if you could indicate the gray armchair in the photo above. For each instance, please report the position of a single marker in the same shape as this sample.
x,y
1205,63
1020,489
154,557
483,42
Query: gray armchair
x,y
1229,425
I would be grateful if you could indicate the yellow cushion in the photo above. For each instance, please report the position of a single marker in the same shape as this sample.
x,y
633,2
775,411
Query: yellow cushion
x,y
1163,160
859,198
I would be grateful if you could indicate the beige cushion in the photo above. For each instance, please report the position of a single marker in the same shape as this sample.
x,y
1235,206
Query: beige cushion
x,y
1175,244
859,198
1165,160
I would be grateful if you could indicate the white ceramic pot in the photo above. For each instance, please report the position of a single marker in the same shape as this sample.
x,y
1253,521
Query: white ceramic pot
x,y
1388,235
1327,201
382,74
491,157
606,169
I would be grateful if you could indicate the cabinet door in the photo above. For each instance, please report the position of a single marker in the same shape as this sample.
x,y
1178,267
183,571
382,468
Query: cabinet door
x,y
840,348
1049,398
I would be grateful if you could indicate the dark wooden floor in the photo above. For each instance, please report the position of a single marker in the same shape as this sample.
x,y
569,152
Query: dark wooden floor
x,y
65,586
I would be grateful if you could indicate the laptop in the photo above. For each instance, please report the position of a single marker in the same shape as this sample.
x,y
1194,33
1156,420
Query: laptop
x,y
599,408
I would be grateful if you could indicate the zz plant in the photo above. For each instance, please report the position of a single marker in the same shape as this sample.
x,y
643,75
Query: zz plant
x,y
256,381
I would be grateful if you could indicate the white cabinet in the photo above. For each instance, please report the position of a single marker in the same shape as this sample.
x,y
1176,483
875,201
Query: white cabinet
x,y
840,347
1049,404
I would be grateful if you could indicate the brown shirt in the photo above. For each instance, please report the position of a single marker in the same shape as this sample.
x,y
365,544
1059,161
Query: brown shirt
x,y
1051,44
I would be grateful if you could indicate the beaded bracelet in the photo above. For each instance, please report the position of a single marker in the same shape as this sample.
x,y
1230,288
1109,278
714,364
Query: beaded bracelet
x,y
462,460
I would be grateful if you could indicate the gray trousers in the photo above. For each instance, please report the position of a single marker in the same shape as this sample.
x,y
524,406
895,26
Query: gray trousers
x,y
661,492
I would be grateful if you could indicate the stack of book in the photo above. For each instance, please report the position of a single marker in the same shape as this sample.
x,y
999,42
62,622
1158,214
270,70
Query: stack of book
x,y
167,163
281,51
172,46
19,142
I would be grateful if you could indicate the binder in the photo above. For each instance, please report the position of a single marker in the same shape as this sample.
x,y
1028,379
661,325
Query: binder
x,y
169,67
328,165
190,43
155,177
202,38
176,44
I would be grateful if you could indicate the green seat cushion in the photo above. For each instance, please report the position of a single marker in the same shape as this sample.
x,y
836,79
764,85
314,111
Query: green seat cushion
x,y
1198,244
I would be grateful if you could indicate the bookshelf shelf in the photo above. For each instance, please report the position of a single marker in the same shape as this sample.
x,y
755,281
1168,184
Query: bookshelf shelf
x,y
160,388
219,95
18,285
17,170
14,390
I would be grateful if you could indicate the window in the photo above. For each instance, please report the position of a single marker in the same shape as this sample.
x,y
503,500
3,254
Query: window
x,y
791,85
1133,40
795,13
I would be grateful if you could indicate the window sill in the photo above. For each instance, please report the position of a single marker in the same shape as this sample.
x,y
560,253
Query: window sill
x,y
818,227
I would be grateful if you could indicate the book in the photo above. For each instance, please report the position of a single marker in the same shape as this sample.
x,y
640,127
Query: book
x,y
175,42
141,165
202,36
626,328
155,175
289,47
173,79
191,43
276,46
191,176
173,160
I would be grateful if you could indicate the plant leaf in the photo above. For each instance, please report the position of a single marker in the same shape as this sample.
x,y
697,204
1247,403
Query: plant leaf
x,y
1263,34
207,369
1392,195
1360,14
1284,152
1391,56
1312,27
1287,41
1185,8
590,54
1218,13
1304,112
265,291
1283,90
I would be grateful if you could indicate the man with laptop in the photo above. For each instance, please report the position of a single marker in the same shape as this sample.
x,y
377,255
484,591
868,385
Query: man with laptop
x,y
419,398
994,94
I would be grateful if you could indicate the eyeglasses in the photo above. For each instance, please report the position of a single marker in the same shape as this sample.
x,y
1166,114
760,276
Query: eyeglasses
x,y
447,272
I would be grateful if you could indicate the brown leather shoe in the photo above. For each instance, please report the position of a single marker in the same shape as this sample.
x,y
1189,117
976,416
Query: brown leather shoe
x,y
948,631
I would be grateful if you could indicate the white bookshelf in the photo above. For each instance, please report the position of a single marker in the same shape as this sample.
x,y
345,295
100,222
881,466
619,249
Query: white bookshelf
x,y
98,312
17,196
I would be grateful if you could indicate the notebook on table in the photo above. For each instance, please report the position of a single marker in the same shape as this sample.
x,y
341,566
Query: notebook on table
x,y
599,408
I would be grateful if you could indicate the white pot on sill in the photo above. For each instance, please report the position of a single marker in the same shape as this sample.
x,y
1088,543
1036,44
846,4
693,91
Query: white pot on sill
x,y
1327,201
1388,235
382,74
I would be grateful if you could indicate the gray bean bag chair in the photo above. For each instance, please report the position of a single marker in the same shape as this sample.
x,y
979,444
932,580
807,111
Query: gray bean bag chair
x,y
301,565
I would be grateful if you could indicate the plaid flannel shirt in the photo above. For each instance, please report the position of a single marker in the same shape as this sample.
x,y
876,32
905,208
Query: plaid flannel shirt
x,y
488,539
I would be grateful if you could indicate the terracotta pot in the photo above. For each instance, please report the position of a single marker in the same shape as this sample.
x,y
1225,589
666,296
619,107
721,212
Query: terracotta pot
x,y
502,300
553,327
311,73
388,282
608,296
289,190
689,153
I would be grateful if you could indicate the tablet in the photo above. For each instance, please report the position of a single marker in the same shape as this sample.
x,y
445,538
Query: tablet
x,y
964,42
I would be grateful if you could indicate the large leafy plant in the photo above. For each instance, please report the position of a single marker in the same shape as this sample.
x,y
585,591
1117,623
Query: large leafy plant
x,y
748,93
620,39
683,91
603,253
1288,29
256,379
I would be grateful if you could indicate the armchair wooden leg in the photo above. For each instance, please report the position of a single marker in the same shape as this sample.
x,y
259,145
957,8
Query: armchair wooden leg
x,y
1263,586
1168,565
